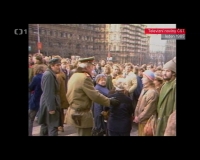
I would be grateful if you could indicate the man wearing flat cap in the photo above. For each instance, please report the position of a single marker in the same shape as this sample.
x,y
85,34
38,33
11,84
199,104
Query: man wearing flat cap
x,y
49,113
167,98
81,94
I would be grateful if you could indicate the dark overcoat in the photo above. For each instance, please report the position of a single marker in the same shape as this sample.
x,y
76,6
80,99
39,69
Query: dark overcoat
x,y
50,100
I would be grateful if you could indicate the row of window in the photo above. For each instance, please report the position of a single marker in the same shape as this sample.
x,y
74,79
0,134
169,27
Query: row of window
x,y
60,34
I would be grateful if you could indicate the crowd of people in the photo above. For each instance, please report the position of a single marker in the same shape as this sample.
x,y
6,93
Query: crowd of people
x,y
101,98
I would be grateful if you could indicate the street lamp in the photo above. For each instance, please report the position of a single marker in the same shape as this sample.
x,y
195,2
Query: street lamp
x,y
38,36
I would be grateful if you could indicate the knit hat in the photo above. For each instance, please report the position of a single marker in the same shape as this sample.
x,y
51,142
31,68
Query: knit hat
x,y
149,74
171,65
99,76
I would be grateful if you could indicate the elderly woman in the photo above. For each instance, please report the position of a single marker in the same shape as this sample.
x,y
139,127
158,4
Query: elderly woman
x,y
120,118
99,125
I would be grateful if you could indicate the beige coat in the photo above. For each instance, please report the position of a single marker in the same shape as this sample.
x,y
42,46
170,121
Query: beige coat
x,y
171,125
80,95
147,105
131,80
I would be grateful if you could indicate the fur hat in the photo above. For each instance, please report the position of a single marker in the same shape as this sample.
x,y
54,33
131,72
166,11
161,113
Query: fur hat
x,y
171,65
149,74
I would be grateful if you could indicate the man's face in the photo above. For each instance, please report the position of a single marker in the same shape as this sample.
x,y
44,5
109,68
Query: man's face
x,y
63,65
140,73
34,59
167,74
148,67
90,68
103,63
56,68
128,69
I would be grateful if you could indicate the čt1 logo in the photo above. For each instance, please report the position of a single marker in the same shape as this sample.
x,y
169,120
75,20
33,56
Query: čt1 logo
x,y
20,31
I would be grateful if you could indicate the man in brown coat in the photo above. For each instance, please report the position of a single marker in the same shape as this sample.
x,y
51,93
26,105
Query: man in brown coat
x,y
61,77
80,95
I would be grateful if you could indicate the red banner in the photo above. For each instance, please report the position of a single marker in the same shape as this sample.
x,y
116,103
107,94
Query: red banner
x,y
39,45
164,31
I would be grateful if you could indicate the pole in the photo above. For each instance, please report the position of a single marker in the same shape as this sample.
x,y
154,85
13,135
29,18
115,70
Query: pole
x,y
47,46
38,34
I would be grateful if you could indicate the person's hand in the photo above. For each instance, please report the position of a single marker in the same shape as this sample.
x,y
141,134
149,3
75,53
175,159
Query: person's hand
x,y
136,120
52,112
114,101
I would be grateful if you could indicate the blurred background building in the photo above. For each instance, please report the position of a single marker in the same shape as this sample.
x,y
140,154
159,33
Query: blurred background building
x,y
117,42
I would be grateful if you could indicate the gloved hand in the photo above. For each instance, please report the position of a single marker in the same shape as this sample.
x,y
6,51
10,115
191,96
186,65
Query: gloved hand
x,y
114,101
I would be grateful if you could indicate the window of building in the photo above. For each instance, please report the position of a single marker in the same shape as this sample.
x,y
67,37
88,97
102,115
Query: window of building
x,y
78,46
49,33
100,48
63,34
114,48
59,34
69,35
42,31
54,33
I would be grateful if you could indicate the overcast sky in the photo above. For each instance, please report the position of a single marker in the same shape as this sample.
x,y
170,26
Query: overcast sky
x,y
156,44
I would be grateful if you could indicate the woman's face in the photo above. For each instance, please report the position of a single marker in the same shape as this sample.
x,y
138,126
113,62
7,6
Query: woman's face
x,y
102,82
145,80
115,70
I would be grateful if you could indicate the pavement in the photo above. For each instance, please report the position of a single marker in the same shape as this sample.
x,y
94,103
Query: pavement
x,y
71,131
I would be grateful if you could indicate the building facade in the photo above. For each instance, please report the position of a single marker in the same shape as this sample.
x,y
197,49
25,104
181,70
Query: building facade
x,y
170,50
128,43
122,42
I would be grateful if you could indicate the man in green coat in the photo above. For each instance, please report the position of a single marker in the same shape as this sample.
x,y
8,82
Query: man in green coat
x,y
80,95
167,98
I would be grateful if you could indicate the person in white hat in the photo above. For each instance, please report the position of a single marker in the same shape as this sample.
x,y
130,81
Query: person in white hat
x,y
167,98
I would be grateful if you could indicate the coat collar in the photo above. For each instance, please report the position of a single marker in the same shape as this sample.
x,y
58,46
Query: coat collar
x,y
168,89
